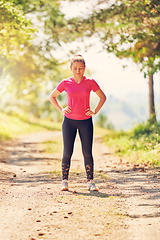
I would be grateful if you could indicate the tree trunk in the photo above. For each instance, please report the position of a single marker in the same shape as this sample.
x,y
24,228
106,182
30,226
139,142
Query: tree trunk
x,y
152,113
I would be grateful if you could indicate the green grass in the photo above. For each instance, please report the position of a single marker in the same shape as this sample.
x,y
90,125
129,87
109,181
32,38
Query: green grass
x,y
53,146
13,126
140,144
100,131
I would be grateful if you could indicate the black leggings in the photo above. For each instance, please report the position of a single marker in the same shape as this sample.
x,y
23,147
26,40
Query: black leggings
x,y
85,130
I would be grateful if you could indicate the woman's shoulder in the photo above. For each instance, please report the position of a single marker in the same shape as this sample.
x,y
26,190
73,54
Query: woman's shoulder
x,y
67,80
89,79
93,84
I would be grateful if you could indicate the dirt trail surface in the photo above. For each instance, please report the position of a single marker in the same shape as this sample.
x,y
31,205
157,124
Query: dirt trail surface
x,y
32,206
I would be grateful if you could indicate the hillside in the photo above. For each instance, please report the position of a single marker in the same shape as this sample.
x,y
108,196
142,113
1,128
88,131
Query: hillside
x,y
124,113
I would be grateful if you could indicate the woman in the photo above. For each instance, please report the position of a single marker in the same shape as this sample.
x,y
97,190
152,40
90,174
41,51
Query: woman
x,y
78,116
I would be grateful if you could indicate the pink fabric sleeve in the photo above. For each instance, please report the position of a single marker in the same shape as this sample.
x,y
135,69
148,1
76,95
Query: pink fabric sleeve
x,y
61,87
95,85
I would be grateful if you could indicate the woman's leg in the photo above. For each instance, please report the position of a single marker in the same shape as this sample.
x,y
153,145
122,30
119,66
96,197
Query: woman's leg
x,y
69,134
86,135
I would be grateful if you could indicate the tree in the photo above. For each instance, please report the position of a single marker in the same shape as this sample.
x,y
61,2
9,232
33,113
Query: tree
x,y
133,29
16,35
16,31
25,65
137,25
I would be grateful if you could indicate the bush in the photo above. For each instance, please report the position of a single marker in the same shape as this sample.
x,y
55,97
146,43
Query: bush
x,y
141,143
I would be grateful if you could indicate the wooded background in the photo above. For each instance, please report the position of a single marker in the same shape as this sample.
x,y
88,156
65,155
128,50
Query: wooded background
x,y
30,31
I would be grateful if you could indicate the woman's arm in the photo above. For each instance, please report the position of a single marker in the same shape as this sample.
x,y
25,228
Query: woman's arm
x,y
102,99
53,99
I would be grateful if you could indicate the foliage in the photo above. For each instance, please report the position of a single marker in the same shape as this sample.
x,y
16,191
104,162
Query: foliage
x,y
103,122
141,143
49,13
127,28
137,27
15,30
29,70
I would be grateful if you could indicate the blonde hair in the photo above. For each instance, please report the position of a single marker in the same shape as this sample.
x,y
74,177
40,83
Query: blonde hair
x,y
77,58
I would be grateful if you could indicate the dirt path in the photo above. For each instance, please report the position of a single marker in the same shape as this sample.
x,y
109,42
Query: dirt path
x,y
32,207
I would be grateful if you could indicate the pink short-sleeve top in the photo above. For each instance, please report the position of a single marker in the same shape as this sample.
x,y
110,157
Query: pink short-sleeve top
x,y
78,96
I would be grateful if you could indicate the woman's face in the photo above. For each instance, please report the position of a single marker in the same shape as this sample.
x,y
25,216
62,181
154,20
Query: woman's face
x,y
78,69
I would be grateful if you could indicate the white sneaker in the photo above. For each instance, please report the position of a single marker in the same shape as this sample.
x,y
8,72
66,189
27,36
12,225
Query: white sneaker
x,y
92,186
64,186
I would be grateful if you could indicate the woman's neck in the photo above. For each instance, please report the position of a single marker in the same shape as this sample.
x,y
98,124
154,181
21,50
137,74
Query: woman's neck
x,y
77,79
